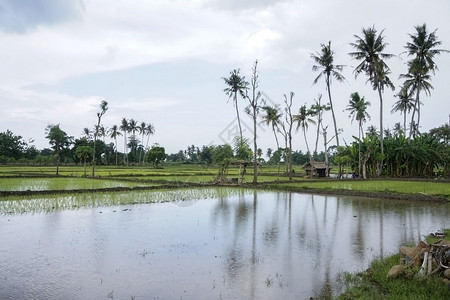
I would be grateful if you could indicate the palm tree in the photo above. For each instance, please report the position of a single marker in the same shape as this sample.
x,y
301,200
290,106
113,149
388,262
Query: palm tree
x,y
369,50
404,105
423,49
397,129
114,133
142,130
414,83
149,131
236,85
272,116
132,128
357,107
327,69
124,127
103,109
303,120
87,133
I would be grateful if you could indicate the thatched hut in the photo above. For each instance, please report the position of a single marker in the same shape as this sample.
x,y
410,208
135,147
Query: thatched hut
x,y
317,169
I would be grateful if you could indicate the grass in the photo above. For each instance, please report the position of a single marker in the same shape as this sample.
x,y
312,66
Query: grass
x,y
61,183
47,203
378,186
373,283
19,178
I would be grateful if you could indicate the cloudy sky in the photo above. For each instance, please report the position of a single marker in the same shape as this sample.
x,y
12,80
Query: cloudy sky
x,y
161,61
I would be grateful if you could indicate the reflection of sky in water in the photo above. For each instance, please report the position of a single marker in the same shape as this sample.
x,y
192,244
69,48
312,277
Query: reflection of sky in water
x,y
239,246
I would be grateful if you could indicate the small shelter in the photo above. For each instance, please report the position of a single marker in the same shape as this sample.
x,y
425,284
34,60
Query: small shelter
x,y
317,169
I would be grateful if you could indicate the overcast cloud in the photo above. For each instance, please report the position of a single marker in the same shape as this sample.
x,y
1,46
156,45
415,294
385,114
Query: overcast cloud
x,y
162,62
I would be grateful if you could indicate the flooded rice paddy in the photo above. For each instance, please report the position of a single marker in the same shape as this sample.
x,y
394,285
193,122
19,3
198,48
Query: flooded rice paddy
x,y
199,244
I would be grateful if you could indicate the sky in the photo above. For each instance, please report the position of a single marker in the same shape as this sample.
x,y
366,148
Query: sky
x,y
163,62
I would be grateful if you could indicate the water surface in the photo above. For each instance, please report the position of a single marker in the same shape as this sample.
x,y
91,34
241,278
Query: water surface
x,y
244,245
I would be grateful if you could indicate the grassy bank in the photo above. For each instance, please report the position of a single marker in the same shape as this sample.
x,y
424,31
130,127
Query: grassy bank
x,y
373,283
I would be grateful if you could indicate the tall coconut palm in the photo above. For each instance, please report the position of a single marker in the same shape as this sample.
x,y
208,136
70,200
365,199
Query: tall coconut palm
x,y
423,50
272,117
149,131
114,133
142,130
303,119
404,104
357,107
103,109
236,84
132,128
369,50
87,133
124,127
327,68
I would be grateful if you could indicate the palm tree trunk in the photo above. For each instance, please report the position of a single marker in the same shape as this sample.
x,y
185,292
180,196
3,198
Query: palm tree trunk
x,y
380,164
416,108
278,147
404,122
115,140
359,148
237,114
125,158
332,113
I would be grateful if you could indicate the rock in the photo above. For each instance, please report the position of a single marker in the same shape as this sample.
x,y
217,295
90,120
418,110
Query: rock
x,y
396,271
405,254
446,281
447,273
417,253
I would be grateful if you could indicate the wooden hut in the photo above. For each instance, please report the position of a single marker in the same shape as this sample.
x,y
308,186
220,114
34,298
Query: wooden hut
x,y
316,169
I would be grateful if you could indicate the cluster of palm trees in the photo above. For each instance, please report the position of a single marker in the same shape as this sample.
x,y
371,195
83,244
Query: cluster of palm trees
x,y
404,157
369,51
132,143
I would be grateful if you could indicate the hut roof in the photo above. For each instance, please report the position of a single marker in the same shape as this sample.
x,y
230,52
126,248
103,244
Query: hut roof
x,y
316,165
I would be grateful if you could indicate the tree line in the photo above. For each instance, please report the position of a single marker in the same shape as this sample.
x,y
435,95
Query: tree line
x,y
90,148
372,158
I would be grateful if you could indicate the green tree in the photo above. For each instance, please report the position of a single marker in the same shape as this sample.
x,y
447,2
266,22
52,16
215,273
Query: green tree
x,y
272,117
404,104
156,155
103,109
236,85
133,141
303,119
59,140
327,68
125,128
114,133
357,107
242,149
422,48
11,146
369,50
142,131
220,153
83,153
